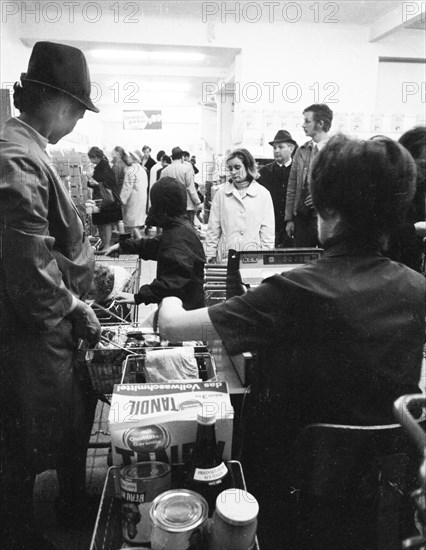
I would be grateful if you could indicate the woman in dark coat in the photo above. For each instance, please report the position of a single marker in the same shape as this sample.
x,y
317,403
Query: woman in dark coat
x,y
110,212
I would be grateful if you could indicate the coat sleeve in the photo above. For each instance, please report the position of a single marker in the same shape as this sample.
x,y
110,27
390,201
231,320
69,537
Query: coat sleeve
x,y
267,228
147,249
190,187
214,229
291,189
32,278
128,184
176,275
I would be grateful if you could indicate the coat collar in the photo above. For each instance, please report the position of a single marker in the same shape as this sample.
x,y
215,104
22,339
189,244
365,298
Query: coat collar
x,y
251,190
25,132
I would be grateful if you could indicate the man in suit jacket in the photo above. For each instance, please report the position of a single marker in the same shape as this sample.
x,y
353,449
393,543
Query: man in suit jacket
x,y
274,177
300,215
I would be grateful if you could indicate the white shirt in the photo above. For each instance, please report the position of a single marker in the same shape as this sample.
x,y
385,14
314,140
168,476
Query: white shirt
x,y
240,223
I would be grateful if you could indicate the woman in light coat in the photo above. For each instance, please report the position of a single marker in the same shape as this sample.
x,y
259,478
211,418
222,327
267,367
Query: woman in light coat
x,y
242,213
134,193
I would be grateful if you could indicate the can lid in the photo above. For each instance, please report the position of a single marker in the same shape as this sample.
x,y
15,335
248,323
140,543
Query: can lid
x,y
237,506
145,470
178,510
206,417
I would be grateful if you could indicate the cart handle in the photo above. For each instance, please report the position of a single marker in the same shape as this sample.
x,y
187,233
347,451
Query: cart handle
x,y
408,422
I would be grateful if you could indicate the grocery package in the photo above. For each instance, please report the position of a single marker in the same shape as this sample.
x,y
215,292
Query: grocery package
x,y
159,421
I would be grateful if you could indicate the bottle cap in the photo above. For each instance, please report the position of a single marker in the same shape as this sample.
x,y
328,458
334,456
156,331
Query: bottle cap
x,y
237,507
206,417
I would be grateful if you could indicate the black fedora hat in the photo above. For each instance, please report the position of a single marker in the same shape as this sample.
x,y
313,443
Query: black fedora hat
x,y
63,68
283,136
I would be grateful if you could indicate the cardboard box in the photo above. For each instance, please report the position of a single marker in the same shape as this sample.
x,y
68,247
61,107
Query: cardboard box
x,y
159,421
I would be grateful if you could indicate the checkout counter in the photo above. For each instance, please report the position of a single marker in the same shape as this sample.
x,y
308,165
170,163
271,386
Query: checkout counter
x,y
244,270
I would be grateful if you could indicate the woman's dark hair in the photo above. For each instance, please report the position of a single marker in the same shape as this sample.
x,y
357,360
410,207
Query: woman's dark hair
x,y
166,158
96,152
160,155
29,97
415,141
248,161
369,183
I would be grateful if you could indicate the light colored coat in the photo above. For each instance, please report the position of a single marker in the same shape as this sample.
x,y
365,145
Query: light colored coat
x,y
240,223
183,172
134,195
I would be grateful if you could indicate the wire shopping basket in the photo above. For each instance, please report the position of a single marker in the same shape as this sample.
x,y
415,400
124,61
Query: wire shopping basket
x,y
108,533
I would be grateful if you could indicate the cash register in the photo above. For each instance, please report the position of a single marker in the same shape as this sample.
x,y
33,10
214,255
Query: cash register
x,y
247,269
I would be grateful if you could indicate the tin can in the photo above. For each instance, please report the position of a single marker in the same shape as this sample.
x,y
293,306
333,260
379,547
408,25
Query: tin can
x,y
140,484
178,520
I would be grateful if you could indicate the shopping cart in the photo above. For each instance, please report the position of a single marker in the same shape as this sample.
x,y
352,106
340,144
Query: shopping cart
x,y
215,284
113,311
108,535
416,433
133,368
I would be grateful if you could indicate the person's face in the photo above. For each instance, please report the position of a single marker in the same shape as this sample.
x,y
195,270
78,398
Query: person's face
x,y
146,152
95,160
237,170
310,127
68,114
282,152
186,158
164,163
116,155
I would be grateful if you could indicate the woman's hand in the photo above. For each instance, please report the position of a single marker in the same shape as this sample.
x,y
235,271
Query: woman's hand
x,y
113,250
124,298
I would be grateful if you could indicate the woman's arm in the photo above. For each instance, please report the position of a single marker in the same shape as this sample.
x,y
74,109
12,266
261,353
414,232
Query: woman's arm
x,y
214,230
176,324
267,228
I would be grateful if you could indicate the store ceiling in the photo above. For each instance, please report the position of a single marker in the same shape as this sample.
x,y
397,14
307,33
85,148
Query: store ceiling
x,y
167,74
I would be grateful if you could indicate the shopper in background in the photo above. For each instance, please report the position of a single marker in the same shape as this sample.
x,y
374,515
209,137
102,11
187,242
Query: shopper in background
x,y
133,196
157,167
274,177
147,161
184,173
414,141
178,251
110,211
242,213
337,340
300,215
46,266
118,166
165,161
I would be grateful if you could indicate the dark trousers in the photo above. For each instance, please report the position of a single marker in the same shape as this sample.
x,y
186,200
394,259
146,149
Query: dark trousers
x,y
305,230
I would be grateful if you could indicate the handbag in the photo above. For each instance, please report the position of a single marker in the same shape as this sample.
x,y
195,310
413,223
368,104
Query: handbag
x,y
107,195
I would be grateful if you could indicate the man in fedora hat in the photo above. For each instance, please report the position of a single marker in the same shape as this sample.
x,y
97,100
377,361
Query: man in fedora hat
x,y
274,176
46,267
184,173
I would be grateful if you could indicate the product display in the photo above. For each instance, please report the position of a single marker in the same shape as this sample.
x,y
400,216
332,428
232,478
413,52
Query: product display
x,y
206,471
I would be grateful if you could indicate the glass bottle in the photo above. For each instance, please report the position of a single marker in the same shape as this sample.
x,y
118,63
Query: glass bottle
x,y
234,521
206,472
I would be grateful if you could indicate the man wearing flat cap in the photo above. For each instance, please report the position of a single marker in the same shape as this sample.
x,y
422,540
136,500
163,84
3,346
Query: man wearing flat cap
x,y
46,267
274,177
